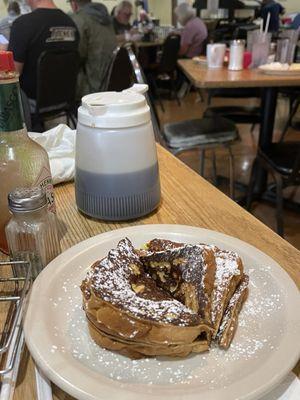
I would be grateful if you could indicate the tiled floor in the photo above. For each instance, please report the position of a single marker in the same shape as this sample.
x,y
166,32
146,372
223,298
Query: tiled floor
x,y
244,153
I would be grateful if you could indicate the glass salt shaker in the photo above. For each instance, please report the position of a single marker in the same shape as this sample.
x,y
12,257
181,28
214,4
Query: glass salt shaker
x,y
32,231
236,57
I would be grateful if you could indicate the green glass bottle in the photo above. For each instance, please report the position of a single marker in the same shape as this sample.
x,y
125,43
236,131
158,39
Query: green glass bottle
x,y
23,162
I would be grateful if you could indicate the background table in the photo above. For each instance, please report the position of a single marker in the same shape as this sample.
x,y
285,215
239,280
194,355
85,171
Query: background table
x,y
202,77
186,199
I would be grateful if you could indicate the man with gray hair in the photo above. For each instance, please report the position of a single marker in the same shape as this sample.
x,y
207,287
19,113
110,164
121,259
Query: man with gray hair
x,y
194,31
121,19
96,45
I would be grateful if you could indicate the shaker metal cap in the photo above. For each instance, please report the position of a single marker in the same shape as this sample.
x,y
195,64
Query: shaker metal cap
x,y
27,199
237,42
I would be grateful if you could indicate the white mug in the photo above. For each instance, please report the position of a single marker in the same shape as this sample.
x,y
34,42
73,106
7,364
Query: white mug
x,y
215,54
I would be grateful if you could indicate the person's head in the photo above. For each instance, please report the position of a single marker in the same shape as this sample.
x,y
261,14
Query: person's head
x,y
184,13
123,12
139,3
77,4
13,8
33,4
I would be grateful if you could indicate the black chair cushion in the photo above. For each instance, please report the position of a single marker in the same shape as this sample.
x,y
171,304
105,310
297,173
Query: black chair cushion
x,y
238,114
200,132
236,92
282,156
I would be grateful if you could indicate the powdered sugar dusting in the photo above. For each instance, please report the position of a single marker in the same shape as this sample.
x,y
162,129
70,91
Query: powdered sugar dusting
x,y
110,281
228,265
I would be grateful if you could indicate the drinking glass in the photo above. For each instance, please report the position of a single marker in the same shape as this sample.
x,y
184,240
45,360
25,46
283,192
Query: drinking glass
x,y
259,46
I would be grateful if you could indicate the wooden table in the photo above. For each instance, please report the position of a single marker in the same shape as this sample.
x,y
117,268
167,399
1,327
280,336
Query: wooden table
x,y
205,78
147,52
155,43
186,199
202,77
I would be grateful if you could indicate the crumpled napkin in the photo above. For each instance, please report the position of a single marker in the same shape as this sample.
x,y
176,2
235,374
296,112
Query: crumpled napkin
x,y
59,142
288,389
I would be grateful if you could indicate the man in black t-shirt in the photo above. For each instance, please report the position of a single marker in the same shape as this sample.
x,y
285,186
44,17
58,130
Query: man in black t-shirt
x,y
45,28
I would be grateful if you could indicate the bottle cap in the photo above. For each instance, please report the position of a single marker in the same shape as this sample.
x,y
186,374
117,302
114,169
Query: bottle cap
x,y
26,199
7,61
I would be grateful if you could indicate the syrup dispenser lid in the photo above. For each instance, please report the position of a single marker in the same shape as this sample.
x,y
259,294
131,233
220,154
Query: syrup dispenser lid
x,y
115,109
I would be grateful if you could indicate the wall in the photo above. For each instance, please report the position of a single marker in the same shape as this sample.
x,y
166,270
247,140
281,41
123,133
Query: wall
x,y
291,5
161,9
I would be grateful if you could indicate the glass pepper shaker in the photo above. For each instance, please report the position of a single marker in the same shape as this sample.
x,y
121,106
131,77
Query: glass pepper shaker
x,y
32,231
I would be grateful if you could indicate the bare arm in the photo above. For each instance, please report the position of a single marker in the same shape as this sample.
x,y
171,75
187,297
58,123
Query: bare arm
x,y
19,67
183,49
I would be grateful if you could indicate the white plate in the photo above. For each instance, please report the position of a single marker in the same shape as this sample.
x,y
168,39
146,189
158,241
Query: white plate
x,y
280,72
264,350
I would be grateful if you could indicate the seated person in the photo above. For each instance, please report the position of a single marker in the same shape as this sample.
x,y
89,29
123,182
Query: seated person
x,y
143,16
45,28
194,31
275,10
296,22
121,19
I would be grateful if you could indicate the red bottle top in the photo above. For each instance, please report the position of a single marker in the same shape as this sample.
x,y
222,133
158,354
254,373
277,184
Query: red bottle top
x,y
7,61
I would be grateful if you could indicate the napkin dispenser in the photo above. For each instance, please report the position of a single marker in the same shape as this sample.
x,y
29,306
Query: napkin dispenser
x,y
116,168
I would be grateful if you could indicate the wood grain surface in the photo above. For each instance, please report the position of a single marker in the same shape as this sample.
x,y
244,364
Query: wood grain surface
x,y
202,77
186,199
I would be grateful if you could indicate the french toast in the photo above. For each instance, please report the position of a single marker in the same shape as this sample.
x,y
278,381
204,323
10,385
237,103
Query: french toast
x,y
186,271
136,349
229,272
230,318
226,271
120,297
168,299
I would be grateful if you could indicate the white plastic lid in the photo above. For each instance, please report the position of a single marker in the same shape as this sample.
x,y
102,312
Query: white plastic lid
x,y
115,109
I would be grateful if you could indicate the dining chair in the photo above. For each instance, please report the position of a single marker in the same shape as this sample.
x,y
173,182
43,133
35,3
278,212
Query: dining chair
x,y
56,86
201,134
120,75
165,71
244,114
282,161
207,133
294,99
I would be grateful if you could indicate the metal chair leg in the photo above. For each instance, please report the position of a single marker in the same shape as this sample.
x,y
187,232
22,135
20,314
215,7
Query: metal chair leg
x,y
231,173
201,96
251,185
72,118
202,162
214,167
173,89
252,127
158,95
279,204
294,109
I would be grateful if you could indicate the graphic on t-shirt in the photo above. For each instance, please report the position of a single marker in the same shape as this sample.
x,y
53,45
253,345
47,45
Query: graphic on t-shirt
x,y
62,34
